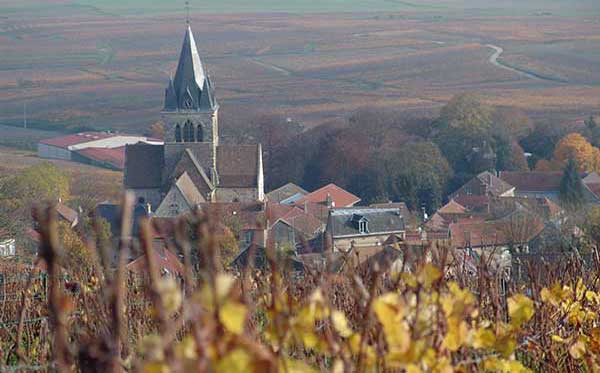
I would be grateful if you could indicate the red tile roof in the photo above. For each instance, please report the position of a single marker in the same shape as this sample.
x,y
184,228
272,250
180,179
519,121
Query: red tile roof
x,y
114,157
533,181
79,138
251,215
339,196
164,259
490,233
452,207
473,202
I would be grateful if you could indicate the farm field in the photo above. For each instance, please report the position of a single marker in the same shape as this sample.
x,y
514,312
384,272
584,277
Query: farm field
x,y
106,184
76,65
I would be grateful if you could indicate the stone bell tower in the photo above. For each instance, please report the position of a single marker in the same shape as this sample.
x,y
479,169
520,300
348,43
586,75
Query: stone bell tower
x,y
191,111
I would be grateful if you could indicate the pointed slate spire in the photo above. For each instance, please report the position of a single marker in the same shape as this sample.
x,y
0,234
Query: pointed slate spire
x,y
190,90
170,97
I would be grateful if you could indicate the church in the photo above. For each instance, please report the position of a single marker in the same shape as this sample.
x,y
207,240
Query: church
x,y
192,167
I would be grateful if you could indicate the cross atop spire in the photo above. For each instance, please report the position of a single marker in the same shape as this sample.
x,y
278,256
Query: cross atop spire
x,y
187,13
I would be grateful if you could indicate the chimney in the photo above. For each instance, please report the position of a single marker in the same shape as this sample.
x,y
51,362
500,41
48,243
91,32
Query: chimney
x,y
329,201
306,207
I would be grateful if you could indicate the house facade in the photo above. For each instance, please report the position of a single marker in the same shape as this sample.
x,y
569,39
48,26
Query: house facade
x,y
356,228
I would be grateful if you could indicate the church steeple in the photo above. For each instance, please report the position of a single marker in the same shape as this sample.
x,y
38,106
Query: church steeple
x,y
191,89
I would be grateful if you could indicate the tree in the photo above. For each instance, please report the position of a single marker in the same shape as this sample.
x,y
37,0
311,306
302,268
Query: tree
x,y
542,141
417,174
509,155
571,186
592,131
464,124
591,226
77,257
576,147
157,130
20,193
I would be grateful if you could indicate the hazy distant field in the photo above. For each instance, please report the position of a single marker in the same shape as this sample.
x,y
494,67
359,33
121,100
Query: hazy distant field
x,y
105,63
135,7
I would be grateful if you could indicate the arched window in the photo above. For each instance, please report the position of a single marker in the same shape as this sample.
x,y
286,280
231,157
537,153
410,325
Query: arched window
x,y
178,133
188,132
199,134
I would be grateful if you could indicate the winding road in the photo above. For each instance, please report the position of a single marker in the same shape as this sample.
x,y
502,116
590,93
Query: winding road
x,y
494,61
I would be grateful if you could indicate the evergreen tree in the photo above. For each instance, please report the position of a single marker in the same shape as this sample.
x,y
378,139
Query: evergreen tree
x,y
571,187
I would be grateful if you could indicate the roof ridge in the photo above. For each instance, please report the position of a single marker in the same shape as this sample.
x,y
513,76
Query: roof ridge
x,y
196,163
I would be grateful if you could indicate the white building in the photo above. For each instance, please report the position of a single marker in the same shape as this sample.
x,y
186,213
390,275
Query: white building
x,y
64,147
7,247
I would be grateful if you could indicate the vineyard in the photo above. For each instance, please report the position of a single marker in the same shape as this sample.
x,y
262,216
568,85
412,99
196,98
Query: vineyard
x,y
425,313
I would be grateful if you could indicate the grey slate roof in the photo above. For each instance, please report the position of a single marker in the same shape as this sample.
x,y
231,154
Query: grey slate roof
x,y
343,222
189,191
237,166
143,166
284,192
191,89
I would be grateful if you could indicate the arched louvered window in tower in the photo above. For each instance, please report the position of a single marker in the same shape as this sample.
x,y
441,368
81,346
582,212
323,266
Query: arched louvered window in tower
x,y
199,134
178,133
188,132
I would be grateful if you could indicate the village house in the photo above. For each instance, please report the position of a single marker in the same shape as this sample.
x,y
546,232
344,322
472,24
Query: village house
x,y
536,184
286,195
356,228
103,149
8,245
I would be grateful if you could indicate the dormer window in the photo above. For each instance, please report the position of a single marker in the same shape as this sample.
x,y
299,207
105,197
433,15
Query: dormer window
x,y
361,223
363,226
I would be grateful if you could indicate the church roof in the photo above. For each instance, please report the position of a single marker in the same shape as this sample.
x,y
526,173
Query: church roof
x,y
143,165
237,166
188,190
191,89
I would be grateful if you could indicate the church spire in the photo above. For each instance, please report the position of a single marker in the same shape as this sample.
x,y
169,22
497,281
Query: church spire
x,y
191,89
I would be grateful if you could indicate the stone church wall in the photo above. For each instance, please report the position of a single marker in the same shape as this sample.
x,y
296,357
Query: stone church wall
x,y
236,194
151,196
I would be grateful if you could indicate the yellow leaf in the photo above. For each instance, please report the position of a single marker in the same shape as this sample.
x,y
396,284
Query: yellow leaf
x,y
222,287
340,324
151,348
233,317
458,332
508,366
295,366
338,366
577,349
156,368
170,294
484,338
412,368
443,365
409,279
186,349
429,274
237,360
559,339
520,309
